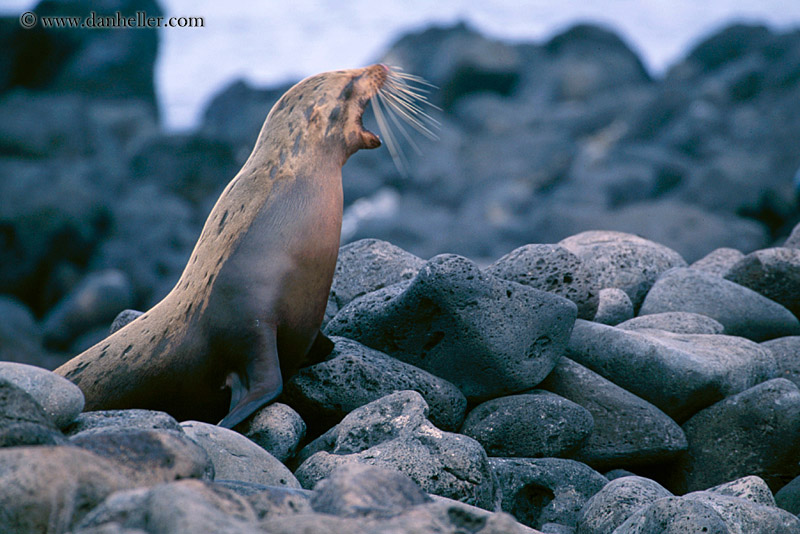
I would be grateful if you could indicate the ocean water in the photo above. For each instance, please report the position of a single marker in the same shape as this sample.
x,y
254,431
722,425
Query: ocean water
x,y
271,42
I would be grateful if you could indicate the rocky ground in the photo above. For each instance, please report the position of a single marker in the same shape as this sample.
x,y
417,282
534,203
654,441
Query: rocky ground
x,y
544,369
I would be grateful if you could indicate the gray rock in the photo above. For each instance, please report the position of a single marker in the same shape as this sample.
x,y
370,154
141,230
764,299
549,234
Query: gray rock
x,y
47,488
487,336
785,351
772,272
365,266
627,429
719,261
618,473
744,515
551,268
271,501
276,428
95,301
756,432
61,400
355,375
545,490
742,311
675,322
102,420
393,432
237,458
22,420
535,424
679,373
358,490
788,497
616,502
623,261
751,488
148,456
555,528
675,515
614,306
181,507
123,318
793,241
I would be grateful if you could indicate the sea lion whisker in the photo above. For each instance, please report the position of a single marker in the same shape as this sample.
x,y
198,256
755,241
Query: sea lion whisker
x,y
391,143
399,125
410,115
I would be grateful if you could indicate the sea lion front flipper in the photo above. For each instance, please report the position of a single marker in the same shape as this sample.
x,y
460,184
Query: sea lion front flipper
x,y
321,347
263,382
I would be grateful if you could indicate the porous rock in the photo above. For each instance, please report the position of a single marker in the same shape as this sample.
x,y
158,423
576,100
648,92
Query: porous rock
x,y
276,428
679,373
487,336
551,268
755,432
614,306
675,322
624,261
616,502
719,261
355,375
627,429
772,272
22,420
544,490
394,432
102,420
61,400
742,311
271,501
237,458
535,424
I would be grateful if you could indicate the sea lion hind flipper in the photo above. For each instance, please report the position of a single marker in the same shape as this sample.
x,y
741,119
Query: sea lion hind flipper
x,y
262,384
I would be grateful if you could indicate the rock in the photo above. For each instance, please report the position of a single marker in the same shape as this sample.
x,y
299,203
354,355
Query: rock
x,y
358,490
365,266
276,428
674,515
103,420
793,241
627,429
61,400
618,473
785,350
755,432
751,488
183,506
679,373
555,528
237,458
51,488
543,490
744,515
614,306
355,375
742,311
270,502
616,502
551,268
719,261
22,420
393,432
123,318
772,272
788,497
95,301
623,261
535,424
675,322
451,320
148,456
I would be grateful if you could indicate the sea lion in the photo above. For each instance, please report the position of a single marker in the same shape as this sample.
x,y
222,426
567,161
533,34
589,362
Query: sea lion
x,y
247,309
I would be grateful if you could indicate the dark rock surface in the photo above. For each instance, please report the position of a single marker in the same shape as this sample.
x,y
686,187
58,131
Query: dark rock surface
x,y
785,351
23,421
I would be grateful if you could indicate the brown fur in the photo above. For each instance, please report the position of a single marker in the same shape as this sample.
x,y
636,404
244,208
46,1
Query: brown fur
x,y
257,282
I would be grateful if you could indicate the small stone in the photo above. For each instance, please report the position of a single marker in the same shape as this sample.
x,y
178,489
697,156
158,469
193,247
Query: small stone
x,y
487,336
751,488
718,262
22,420
148,457
772,272
675,322
237,458
755,432
355,375
276,428
534,425
61,400
614,306
545,490
616,502
123,318
551,268
742,311
624,261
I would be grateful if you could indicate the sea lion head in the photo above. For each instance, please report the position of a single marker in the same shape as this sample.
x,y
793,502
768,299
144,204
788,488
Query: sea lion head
x,y
326,111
